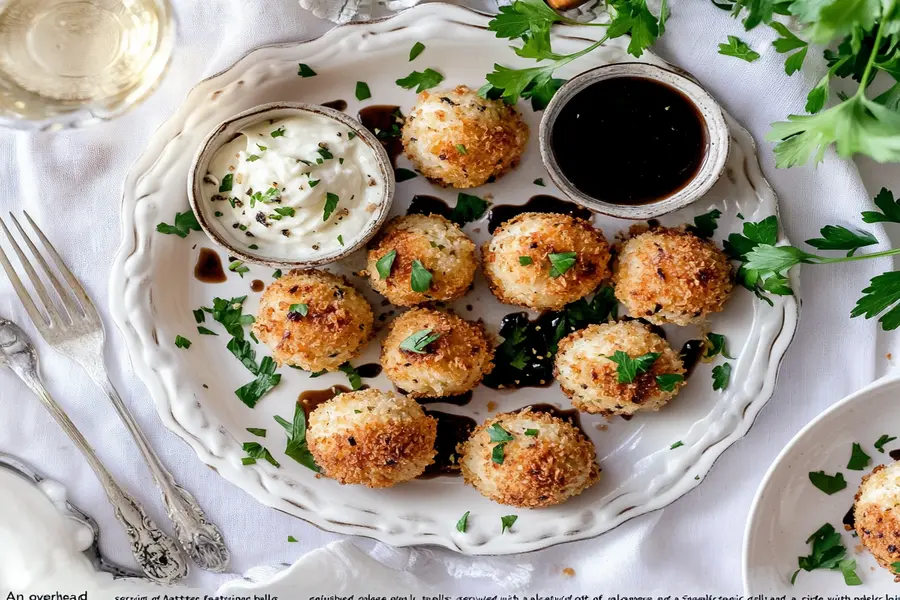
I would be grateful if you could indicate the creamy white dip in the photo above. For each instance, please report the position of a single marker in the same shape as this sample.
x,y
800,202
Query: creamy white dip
x,y
295,188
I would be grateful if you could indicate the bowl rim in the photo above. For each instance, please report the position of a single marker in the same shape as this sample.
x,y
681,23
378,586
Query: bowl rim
x,y
711,168
214,141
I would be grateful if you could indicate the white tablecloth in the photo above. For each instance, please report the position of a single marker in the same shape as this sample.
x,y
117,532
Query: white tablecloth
x,y
70,183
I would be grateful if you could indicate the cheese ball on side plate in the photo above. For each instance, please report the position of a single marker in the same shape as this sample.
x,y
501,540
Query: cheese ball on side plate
x,y
545,260
672,276
876,514
430,353
421,258
313,320
528,459
457,138
591,380
372,438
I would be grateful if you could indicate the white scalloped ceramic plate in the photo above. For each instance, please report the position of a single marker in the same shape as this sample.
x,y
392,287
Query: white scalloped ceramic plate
x,y
153,292
788,508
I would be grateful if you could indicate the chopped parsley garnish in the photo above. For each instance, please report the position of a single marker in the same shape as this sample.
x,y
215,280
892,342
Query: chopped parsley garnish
x,y
292,539
266,379
422,81
828,553
268,197
257,431
278,132
276,273
461,149
262,148
204,331
253,247
385,263
525,260
539,181
859,460
256,451
218,213
299,309
463,520
185,223
895,567
314,182
677,444
738,48
227,183
296,439
715,345
419,277
340,240
352,374
414,52
182,342
253,158
500,437
239,267
362,91
668,381
402,175
418,342
468,208
324,153
628,368
706,224
229,314
331,202
304,70
531,432
507,522
830,484
244,352
199,315
351,135
560,263
285,211
884,439
721,375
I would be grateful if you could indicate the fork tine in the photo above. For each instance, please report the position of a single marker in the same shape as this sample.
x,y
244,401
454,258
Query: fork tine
x,y
86,304
71,304
53,313
37,317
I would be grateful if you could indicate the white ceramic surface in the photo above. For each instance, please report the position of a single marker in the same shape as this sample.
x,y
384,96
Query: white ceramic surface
x,y
153,292
788,508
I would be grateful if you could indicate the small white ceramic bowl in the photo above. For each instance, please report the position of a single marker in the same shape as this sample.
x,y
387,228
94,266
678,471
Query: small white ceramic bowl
x,y
717,140
226,131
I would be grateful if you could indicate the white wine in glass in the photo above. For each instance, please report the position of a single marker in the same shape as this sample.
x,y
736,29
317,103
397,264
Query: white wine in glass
x,y
65,63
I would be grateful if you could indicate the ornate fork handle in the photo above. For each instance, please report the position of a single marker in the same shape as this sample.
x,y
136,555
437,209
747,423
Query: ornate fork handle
x,y
199,537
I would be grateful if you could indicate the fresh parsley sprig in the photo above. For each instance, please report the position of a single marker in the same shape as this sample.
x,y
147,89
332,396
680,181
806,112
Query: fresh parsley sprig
x,y
828,552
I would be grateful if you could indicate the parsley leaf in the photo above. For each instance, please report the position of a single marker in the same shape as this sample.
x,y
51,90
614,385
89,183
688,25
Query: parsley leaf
x,y
835,237
266,379
239,267
884,439
561,262
256,451
384,264
422,81
182,342
331,202
500,437
830,484
468,209
204,331
507,522
414,52
715,345
291,539
419,277
706,224
531,432
243,350
402,175
668,381
229,313
305,71
353,376
859,460
299,309
677,444
362,91
539,181
463,520
278,132
628,368
890,209
419,341
882,293
721,375
185,223
788,42
827,553
525,260
257,431
738,48
227,183
296,439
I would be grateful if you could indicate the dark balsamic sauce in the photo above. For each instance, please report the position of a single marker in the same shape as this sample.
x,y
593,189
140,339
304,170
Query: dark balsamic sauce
x,y
340,105
690,353
458,400
572,415
451,430
538,368
894,454
849,520
310,399
428,205
380,119
542,203
369,370
629,140
209,267
257,285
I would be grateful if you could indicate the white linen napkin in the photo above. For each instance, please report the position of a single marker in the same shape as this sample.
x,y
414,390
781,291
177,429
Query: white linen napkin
x,y
70,183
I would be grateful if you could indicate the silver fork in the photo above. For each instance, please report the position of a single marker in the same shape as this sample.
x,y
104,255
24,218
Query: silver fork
x,y
77,332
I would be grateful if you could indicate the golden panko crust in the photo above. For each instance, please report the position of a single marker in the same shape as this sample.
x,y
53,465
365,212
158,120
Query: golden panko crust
x,y
878,524
457,138
453,364
672,276
336,327
531,238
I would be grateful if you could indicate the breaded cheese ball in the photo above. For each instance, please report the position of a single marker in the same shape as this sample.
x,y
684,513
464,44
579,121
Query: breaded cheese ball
x,y
875,512
518,267
457,138
452,364
372,438
591,380
547,461
336,326
672,276
436,245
